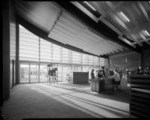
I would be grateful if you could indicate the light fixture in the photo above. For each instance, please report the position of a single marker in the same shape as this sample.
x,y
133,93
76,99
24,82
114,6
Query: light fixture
x,y
90,5
142,36
120,22
125,16
147,32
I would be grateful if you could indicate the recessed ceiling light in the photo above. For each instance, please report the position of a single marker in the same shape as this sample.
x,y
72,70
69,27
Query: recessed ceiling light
x,y
120,22
147,32
90,5
142,36
125,16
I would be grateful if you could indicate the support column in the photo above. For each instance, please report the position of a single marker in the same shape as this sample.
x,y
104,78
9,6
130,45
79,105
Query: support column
x,y
108,63
6,51
17,55
141,62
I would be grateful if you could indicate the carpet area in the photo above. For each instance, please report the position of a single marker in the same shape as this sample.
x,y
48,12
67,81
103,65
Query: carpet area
x,y
42,100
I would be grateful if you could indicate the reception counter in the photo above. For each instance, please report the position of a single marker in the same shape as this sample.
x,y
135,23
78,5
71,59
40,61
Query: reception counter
x,y
140,95
97,87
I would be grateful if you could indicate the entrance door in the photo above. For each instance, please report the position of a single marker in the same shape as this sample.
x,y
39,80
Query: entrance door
x,y
24,73
43,73
34,73
65,73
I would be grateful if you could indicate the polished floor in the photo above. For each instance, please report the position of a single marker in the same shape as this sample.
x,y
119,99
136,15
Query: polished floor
x,y
64,100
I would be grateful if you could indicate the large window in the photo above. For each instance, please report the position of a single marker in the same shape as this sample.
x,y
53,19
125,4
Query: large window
x,y
65,55
40,52
33,48
85,59
45,51
56,53
76,57
102,62
29,45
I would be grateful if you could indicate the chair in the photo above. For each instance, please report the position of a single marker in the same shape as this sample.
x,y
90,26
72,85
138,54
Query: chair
x,y
115,86
109,85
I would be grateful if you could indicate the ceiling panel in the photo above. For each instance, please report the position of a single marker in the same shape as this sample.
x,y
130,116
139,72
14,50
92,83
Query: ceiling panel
x,y
85,38
82,35
127,18
66,28
42,14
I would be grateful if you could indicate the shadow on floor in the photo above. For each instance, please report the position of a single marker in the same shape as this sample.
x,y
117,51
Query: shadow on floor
x,y
96,104
118,96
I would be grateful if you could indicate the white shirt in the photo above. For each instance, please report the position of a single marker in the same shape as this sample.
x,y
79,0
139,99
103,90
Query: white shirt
x,y
116,76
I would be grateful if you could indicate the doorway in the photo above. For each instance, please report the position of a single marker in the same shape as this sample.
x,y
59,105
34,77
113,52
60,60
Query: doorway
x,y
34,73
24,73
31,72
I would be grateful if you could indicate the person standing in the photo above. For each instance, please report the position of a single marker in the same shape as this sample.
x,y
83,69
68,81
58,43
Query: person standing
x,y
101,80
115,78
92,74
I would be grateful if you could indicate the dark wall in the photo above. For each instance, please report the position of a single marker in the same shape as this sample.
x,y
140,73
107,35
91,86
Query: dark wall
x,y
12,23
6,51
146,58
9,47
125,60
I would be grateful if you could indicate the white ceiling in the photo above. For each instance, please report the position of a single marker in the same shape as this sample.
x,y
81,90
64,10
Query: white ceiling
x,y
65,28
129,19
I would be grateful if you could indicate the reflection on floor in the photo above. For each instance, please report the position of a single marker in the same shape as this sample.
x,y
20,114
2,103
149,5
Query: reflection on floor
x,y
64,100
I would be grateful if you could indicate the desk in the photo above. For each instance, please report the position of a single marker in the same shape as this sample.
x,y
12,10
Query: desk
x,y
96,84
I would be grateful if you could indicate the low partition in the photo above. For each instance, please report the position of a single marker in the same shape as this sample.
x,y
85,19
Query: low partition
x,y
80,77
140,95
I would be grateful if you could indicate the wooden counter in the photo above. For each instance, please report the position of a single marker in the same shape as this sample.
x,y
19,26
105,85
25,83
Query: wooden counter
x,y
140,95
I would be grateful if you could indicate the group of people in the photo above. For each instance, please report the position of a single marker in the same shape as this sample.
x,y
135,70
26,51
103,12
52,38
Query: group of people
x,y
107,74
104,74
119,76
52,74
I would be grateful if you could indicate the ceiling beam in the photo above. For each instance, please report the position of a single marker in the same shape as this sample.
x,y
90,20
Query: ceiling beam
x,y
110,25
138,28
125,40
140,41
83,9
109,3
132,40
100,27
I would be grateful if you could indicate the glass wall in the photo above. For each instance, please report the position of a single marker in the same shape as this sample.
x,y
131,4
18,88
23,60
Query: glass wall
x,y
24,73
45,51
38,53
29,45
43,73
34,73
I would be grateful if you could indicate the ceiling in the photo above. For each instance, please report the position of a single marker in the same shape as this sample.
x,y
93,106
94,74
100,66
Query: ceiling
x,y
101,30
